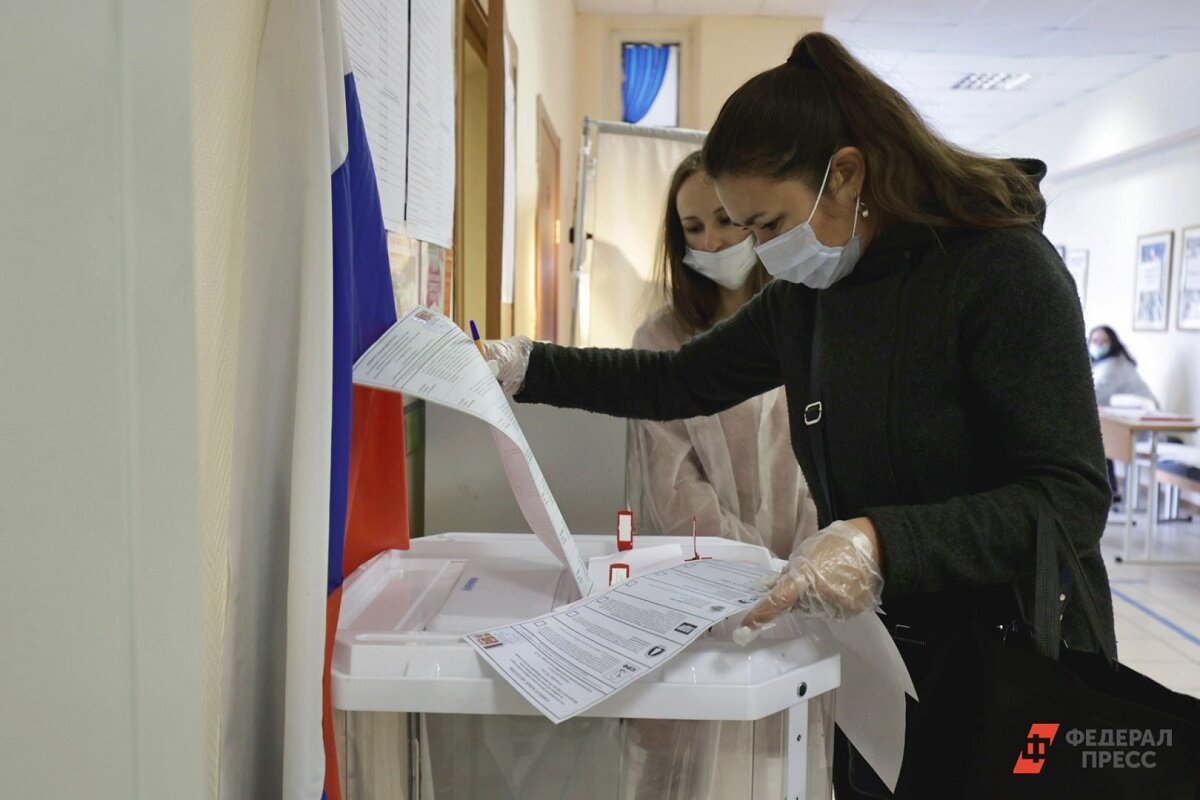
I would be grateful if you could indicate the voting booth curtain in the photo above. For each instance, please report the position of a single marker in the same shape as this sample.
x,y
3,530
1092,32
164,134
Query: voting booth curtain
x,y
622,200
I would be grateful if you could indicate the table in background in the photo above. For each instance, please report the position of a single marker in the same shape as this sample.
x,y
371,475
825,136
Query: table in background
x,y
1120,429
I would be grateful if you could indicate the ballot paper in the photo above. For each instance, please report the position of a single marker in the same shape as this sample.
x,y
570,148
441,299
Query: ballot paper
x,y
426,355
569,660
870,706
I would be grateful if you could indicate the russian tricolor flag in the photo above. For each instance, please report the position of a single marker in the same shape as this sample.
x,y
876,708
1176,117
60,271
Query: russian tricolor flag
x,y
319,481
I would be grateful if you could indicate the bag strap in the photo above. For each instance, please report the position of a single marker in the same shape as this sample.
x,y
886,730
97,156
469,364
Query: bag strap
x,y
814,418
1052,539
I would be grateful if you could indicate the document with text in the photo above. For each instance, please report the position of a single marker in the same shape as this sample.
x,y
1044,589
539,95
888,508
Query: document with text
x,y
569,660
426,355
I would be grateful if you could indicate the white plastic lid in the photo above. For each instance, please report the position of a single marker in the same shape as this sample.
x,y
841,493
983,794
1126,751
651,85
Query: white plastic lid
x,y
399,643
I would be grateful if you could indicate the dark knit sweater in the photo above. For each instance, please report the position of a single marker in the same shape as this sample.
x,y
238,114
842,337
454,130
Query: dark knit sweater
x,y
956,390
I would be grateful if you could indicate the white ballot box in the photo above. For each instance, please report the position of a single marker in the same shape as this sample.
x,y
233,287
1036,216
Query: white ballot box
x,y
420,714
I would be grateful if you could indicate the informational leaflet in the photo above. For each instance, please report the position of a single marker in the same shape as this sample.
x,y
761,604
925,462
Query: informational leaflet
x,y
431,145
377,39
569,660
426,355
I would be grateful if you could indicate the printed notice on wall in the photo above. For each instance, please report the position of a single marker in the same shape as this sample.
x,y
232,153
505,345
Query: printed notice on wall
x,y
431,123
376,34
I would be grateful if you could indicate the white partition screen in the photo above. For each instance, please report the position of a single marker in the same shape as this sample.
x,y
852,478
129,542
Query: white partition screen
x,y
619,203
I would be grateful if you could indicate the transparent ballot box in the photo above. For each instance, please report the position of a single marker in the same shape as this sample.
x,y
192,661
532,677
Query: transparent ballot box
x,y
419,715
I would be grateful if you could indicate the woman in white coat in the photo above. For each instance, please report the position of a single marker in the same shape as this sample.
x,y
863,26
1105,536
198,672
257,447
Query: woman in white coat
x,y
734,471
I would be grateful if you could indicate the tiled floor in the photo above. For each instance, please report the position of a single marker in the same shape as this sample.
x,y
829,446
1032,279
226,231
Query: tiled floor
x,y
1157,608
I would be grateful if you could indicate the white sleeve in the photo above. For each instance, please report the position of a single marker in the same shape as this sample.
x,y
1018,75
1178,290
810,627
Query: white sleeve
x,y
675,488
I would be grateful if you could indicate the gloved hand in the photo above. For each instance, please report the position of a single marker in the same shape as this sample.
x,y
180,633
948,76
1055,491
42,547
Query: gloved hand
x,y
834,574
508,359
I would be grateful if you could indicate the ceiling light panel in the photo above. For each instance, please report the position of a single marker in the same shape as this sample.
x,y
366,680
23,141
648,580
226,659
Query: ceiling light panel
x,y
992,81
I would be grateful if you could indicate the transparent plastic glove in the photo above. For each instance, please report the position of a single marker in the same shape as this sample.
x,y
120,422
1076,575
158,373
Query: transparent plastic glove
x,y
834,574
508,360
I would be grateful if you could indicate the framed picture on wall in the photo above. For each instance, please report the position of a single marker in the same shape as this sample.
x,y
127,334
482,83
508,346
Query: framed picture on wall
x,y
1150,291
1077,265
1189,281
1062,251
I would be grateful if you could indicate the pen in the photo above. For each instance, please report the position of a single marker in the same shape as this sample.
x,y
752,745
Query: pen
x,y
478,343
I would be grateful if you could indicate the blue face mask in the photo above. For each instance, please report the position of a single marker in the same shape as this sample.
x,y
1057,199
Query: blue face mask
x,y
1099,351
798,255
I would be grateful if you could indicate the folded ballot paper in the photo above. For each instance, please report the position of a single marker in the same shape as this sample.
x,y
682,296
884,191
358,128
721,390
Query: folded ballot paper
x,y
569,660
426,355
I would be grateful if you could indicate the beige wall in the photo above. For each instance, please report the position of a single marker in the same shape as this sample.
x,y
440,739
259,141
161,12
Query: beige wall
x,y
99,581
732,50
544,34
225,42
598,61
719,54
571,61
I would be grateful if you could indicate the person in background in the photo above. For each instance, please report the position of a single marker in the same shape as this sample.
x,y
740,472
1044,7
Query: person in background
x,y
919,320
1114,371
734,471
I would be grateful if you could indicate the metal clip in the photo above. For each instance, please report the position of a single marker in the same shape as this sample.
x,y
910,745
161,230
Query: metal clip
x,y
815,416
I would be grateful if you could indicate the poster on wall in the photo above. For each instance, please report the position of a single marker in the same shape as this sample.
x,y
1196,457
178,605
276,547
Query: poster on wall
x,y
402,259
376,34
431,167
1153,280
448,287
431,269
1189,281
1077,265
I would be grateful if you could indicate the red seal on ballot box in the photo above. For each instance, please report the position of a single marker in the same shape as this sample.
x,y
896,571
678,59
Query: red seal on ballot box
x,y
617,573
625,530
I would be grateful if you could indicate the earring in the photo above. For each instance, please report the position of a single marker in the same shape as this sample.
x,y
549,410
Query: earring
x,y
864,213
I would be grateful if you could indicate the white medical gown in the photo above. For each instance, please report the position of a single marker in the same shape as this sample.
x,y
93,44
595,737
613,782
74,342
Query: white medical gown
x,y
734,471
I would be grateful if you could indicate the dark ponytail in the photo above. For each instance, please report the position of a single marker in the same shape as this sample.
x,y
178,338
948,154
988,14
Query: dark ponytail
x,y
788,121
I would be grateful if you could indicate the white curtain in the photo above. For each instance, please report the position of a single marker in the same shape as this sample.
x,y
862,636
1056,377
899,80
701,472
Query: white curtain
x,y
625,199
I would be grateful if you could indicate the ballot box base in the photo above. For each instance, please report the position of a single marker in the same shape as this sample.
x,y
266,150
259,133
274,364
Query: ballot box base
x,y
419,715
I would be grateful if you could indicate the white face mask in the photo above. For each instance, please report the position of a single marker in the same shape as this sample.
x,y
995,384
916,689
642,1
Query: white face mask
x,y
729,267
798,255
1098,351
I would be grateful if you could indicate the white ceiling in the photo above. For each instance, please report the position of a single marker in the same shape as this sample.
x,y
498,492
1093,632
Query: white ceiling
x,y
922,47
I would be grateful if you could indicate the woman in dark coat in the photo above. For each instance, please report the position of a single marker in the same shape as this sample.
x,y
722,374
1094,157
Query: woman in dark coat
x,y
942,319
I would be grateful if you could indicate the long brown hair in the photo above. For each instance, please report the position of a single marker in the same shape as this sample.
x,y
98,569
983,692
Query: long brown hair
x,y
692,297
788,121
